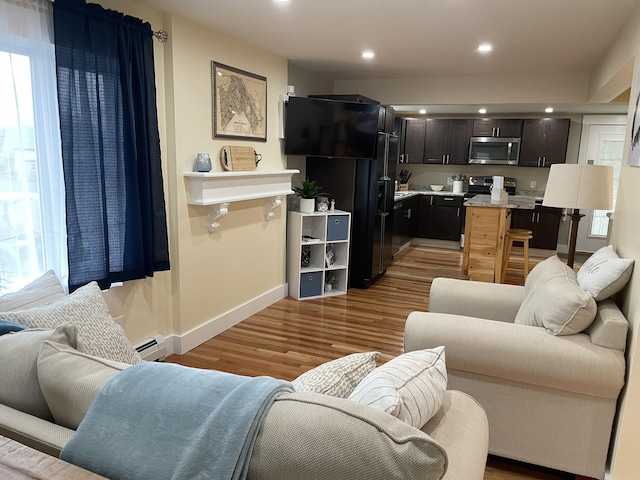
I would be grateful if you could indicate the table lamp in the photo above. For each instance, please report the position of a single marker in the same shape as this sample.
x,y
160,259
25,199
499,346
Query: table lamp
x,y
576,186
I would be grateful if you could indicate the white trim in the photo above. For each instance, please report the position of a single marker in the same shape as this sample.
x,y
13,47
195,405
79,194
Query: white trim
x,y
181,344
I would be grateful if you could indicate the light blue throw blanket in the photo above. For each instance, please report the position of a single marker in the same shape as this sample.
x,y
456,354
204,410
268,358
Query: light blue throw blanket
x,y
164,421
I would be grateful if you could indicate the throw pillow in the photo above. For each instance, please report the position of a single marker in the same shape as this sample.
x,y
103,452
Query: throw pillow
x,y
7,327
98,333
409,387
18,368
70,380
338,377
605,273
550,268
43,290
317,437
556,302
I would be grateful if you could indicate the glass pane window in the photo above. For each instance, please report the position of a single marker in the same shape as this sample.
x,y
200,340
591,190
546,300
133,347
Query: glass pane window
x,y
610,153
32,228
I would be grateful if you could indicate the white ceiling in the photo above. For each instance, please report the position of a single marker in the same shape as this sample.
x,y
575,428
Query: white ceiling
x,y
420,38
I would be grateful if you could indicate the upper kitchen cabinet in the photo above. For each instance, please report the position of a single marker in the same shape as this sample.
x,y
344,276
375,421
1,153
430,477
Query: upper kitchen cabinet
x,y
447,141
544,142
412,140
492,127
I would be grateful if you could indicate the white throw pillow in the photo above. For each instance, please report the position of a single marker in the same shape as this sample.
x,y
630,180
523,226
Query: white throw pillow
x,y
70,380
556,302
605,273
409,387
19,387
338,377
42,290
98,333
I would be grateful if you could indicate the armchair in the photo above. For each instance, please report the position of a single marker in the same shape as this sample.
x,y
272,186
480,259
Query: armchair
x,y
550,400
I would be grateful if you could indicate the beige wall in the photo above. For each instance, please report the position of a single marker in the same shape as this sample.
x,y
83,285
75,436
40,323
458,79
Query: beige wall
x,y
472,90
625,463
211,274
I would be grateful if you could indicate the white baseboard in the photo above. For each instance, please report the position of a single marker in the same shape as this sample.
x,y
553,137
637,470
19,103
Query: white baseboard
x,y
181,344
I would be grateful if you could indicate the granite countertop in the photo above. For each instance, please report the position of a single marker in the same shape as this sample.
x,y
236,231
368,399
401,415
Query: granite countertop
x,y
524,202
412,193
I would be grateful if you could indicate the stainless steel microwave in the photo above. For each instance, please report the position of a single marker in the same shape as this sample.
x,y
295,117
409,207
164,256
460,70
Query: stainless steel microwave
x,y
494,151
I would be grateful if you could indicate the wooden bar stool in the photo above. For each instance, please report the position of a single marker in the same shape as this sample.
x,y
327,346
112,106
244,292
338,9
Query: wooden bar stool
x,y
517,235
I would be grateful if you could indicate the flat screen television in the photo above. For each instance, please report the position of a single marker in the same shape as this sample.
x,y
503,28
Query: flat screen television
x,y
329,128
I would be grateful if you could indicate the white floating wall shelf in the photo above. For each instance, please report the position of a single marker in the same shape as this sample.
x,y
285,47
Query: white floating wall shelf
x,y
219,189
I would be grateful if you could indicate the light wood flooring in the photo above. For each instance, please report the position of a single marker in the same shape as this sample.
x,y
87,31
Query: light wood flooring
x,y
290,337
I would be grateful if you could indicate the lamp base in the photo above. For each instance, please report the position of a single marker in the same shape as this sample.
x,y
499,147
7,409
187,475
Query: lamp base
x,y
575,220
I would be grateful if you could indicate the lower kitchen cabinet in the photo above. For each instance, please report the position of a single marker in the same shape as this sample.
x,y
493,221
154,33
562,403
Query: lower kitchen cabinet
x,y
446,217
543,222
440,217
404,221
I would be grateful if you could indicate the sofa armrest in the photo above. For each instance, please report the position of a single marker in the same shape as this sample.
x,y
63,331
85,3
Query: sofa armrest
x,y
462,428
33,432
519,353
493,301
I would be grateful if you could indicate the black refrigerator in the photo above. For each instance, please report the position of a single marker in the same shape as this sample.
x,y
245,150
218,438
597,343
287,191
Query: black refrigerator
x,y
364,187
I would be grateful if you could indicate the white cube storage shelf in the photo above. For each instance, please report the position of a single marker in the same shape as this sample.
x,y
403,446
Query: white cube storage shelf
x,y
326,230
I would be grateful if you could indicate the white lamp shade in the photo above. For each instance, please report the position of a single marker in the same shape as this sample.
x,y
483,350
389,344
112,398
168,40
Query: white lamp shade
x,y
589,187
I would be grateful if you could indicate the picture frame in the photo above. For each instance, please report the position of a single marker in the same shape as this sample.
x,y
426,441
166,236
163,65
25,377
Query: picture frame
x,y
239,103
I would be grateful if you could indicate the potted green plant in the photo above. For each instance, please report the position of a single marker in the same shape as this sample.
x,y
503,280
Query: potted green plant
x,y
330,281
308,193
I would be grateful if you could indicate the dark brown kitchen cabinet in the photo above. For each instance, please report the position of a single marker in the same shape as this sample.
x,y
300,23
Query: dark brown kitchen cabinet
x,y
447,141
446,217
544,142
404,222
423,216
412,140
493,127
543,222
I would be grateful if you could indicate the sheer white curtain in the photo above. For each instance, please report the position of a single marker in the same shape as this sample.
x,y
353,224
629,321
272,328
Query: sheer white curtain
x,y
32,210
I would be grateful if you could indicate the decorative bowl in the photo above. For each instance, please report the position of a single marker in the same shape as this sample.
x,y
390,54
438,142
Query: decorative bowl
x,y
436,188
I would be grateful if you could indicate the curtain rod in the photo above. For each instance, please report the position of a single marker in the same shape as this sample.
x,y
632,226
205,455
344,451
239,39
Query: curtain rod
x,y
161,35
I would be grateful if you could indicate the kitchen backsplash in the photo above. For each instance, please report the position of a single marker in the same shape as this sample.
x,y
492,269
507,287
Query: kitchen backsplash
x,y
425,175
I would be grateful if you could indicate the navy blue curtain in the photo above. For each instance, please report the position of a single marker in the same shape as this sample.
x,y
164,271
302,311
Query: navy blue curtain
x,y
116,218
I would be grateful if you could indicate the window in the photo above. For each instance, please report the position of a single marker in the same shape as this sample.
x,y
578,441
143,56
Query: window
x,y
32,225
610,153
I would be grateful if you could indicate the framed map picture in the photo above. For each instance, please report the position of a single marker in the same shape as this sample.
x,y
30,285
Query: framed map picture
x,y
239,103
634,147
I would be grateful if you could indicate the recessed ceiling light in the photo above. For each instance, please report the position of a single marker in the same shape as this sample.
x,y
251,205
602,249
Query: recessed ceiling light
x,y
368,54
482,111
485,47
281,1
548,110
422,111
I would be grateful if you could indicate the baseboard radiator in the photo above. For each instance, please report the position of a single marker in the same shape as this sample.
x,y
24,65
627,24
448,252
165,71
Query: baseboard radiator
x,y
152,349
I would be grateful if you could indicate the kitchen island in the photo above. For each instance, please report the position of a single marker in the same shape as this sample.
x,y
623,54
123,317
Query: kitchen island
x,y
485,231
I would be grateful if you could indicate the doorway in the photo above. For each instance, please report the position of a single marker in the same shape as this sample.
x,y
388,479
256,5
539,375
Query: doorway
x,y
602,142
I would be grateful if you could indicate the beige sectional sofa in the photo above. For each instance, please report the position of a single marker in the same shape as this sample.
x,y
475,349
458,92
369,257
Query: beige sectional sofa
x,y
304,435
550,398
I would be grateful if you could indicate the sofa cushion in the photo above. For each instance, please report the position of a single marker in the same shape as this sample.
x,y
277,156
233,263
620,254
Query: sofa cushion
x,y
98,333
604,273
18,368
7,327
410,386
555,301
70,380
317,437
338,377
43,290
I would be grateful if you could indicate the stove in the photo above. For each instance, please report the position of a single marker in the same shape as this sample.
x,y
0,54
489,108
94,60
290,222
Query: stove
x,y
481,185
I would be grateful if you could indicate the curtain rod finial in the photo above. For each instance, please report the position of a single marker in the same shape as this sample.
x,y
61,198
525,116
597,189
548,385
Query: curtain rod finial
x,y
161,35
